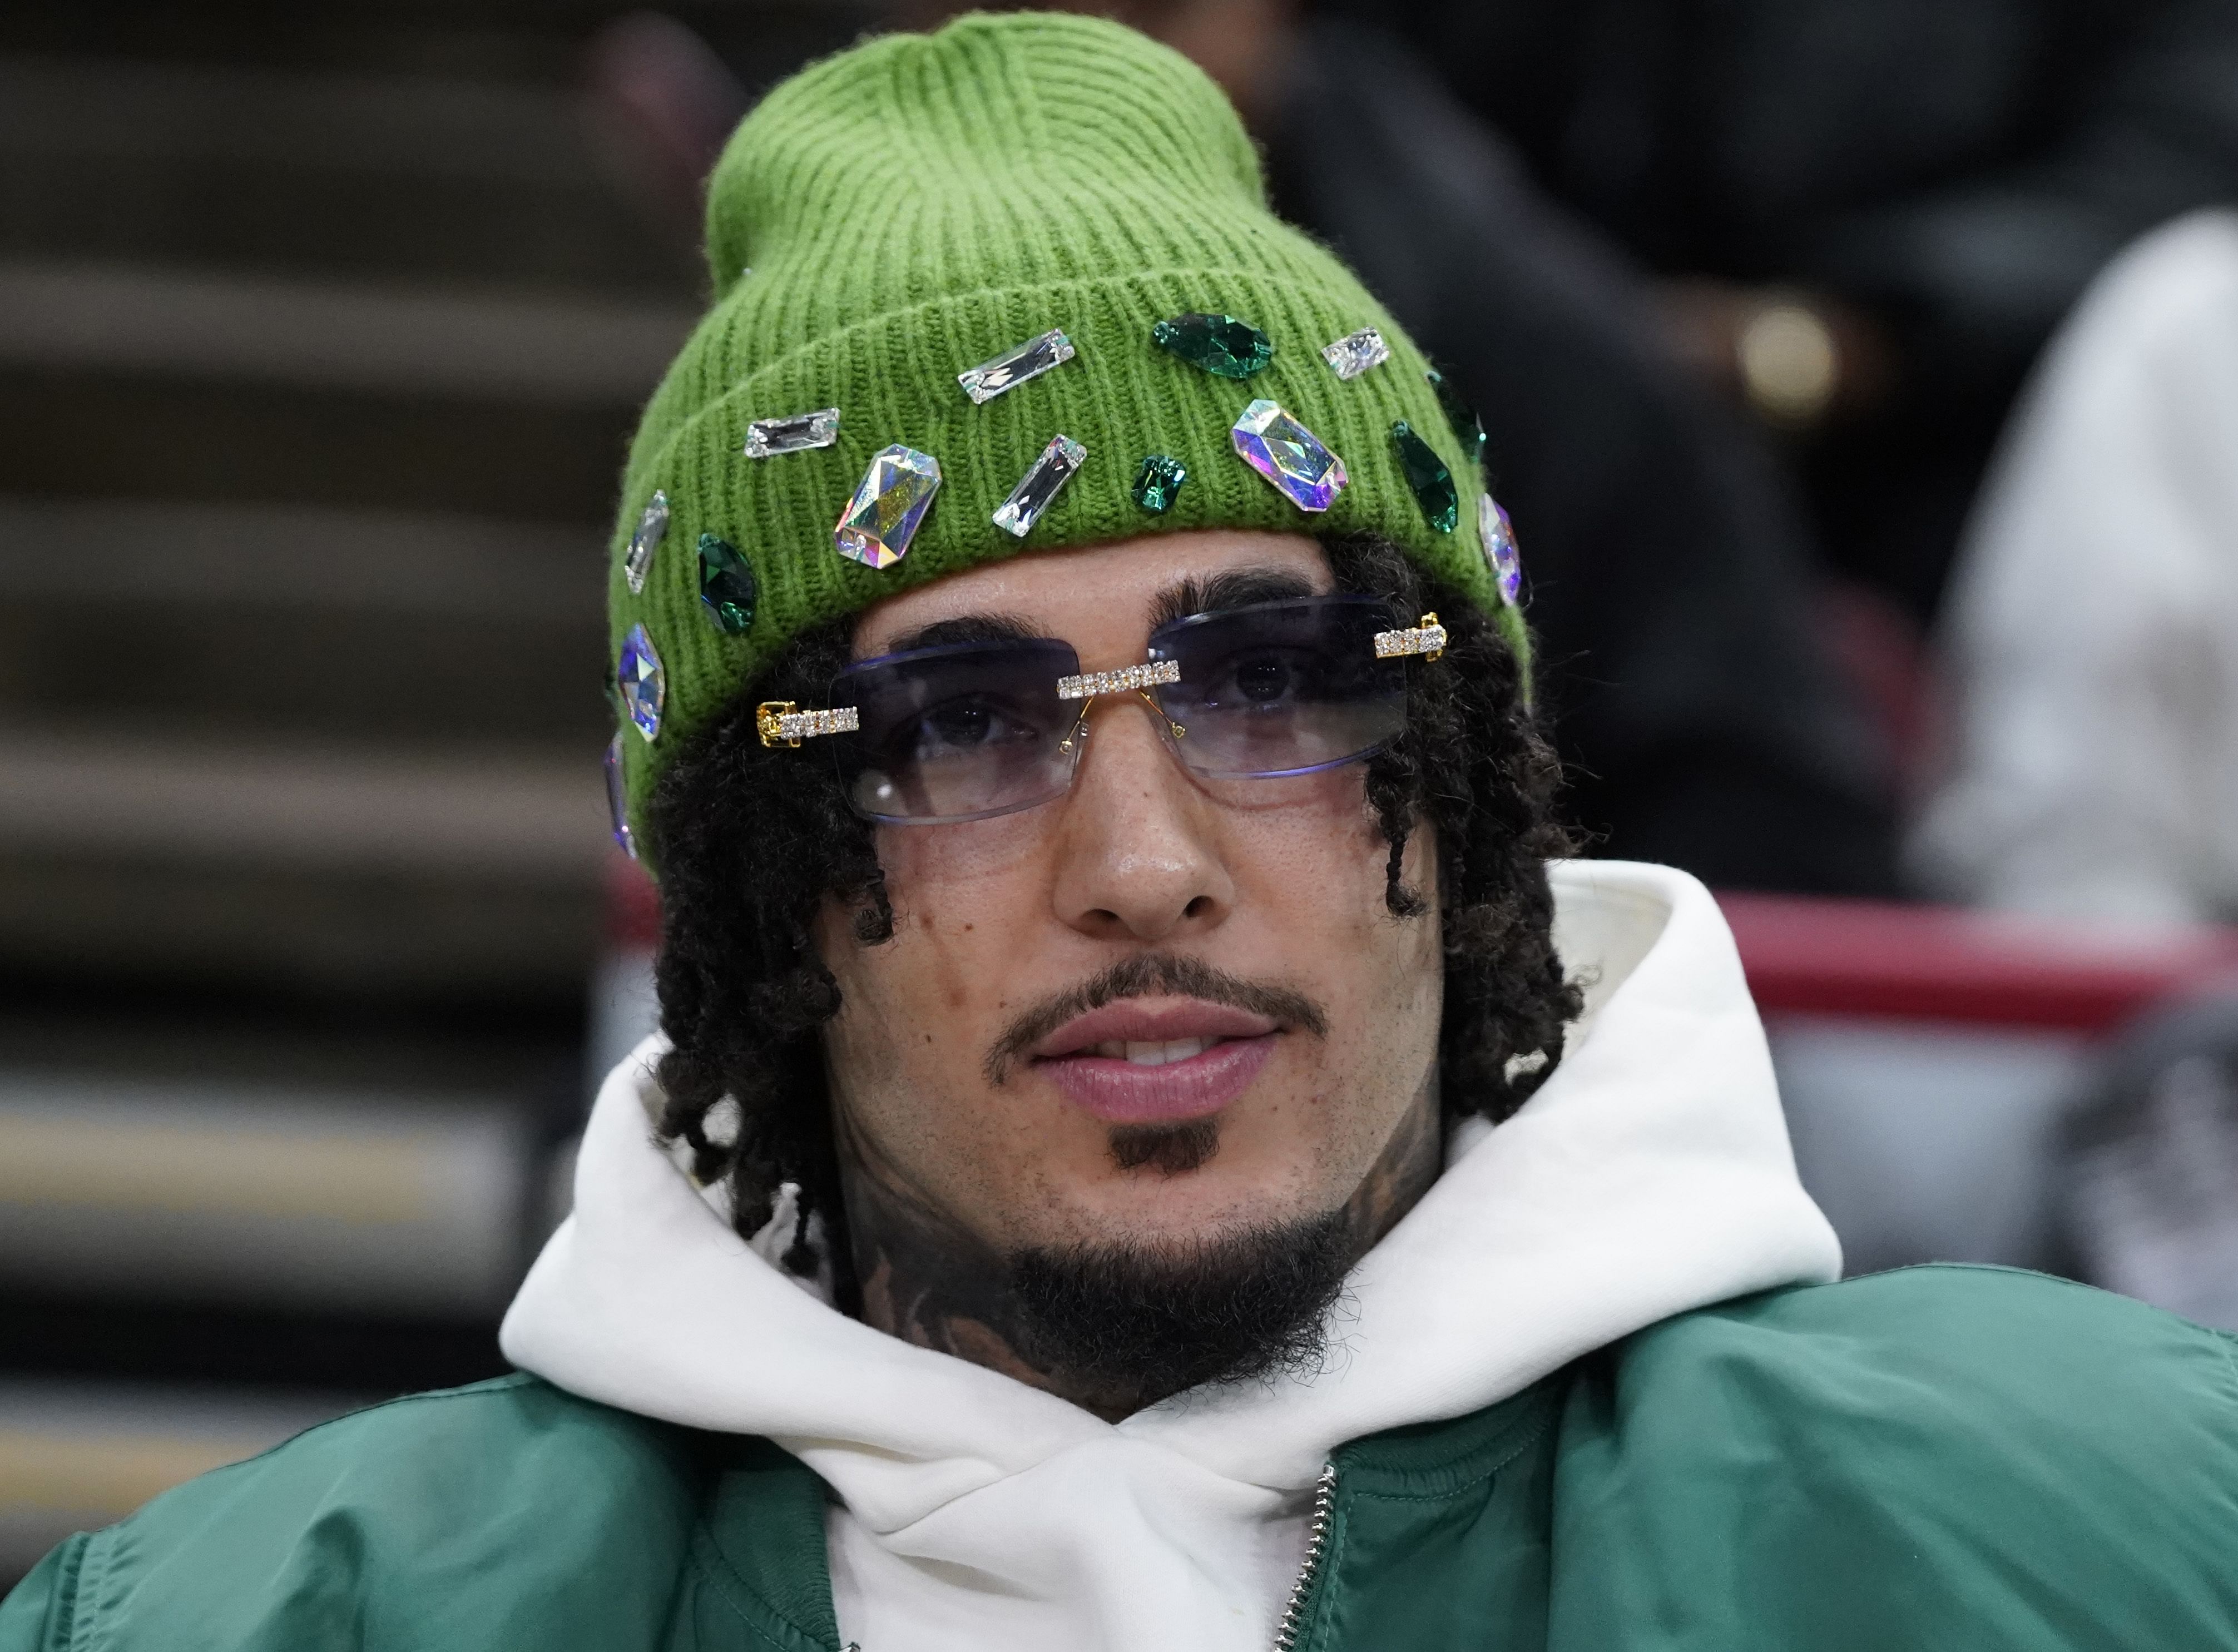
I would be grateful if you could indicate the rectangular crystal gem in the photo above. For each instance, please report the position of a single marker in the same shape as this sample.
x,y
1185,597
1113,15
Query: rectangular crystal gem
x,y
1119,682
766,438
1013,367
1018,513
1416,639
1355,352
652,528
1289,456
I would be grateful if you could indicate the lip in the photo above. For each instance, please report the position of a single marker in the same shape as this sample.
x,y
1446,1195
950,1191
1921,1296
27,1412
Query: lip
x,y
1119,1092
1152,1020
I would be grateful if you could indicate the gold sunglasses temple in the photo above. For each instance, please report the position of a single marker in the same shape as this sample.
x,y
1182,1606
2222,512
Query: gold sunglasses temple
x,y
1425,638
783,723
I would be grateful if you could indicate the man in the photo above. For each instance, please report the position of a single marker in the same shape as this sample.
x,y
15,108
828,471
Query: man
x,y
1168,1165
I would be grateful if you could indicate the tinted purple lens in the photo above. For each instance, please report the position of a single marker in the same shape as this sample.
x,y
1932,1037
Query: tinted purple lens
x,y
965,731
957,733
1282,688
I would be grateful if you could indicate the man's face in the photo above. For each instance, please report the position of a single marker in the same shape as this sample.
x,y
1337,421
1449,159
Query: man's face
x,y
1281,1024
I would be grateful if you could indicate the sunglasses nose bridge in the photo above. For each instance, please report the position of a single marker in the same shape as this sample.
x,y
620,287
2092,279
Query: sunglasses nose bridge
x,y
1169,731
1174,730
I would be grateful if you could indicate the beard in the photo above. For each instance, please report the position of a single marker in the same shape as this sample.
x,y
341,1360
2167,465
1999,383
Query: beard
x,y
1130,1325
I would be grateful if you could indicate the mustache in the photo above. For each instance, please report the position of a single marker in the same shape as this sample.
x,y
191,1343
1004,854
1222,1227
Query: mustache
x,y
1167,973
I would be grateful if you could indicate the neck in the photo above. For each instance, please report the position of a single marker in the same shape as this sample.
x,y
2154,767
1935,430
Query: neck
x,y
926,1279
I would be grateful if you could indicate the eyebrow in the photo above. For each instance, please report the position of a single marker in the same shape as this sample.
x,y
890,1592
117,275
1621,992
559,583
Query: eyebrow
x,y
1237,588
965,628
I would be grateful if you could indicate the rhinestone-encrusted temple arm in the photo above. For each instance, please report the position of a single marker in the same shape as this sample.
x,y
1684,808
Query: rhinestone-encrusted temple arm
x,y
781,721
1427,638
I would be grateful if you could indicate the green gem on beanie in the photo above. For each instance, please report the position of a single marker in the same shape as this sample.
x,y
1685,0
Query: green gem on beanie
x,y
894,235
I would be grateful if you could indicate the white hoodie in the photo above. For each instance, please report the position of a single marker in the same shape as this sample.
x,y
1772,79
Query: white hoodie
x,y
1650,1174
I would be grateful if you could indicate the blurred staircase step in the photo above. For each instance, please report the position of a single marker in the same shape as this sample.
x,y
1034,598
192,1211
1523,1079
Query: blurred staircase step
x,y
284,168
442,344
262,621
400,874
184,384
327,1196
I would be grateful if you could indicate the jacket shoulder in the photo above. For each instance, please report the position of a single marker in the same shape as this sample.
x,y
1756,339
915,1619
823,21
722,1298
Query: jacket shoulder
x,y
1957,1317
1885,1460
456,1518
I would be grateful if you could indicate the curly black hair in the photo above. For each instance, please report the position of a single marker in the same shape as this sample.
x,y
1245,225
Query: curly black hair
x,y
751,841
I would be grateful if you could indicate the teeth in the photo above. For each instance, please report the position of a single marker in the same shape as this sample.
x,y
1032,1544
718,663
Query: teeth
x,y
1155,1054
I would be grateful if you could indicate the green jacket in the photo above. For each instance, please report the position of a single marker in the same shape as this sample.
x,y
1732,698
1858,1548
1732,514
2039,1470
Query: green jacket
x,y
1945,1457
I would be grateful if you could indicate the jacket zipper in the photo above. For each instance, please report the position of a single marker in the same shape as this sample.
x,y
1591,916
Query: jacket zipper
x,y
1317,1537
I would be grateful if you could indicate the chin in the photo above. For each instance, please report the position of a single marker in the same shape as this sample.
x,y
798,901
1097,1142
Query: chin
x,y
1181,1191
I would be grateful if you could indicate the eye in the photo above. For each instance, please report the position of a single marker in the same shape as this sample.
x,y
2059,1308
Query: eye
x,y
966,725
1262,678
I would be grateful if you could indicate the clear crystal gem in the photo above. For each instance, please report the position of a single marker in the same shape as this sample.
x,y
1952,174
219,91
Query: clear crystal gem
x,y
1507,561
1428,475
1158,482
652,528
766,438
1355,352
1018,513
1013,367
1461,416
1288,455
726,584
618,798
1219,344
643,684
882,519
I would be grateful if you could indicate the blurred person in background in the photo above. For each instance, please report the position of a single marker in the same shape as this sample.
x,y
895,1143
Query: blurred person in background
x,y
2148,1185
1156,1155
1869,216
1700,719
2093,629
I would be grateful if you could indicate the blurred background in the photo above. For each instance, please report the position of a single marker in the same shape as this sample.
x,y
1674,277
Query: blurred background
x,y
1861,377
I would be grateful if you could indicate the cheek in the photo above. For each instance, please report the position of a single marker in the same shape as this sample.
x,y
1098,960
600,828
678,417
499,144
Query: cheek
x,y
904,1000
916,1011
942,870
1313,863
1307,854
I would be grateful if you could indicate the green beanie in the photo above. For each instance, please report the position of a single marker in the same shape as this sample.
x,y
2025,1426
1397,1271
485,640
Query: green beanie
x,y
899,214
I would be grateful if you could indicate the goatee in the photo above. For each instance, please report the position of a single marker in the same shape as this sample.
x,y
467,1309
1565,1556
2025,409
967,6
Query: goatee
x,y
1129,1324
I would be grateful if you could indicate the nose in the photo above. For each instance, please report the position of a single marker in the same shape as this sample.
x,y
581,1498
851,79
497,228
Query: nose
x,y
1140,855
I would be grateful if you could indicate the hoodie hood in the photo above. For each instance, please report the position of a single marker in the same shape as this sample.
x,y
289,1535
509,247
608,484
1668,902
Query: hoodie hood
x,y
1651,1174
